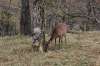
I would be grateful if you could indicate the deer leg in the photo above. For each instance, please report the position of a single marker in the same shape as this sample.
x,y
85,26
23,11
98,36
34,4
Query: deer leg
x,y
65,39
59,43
55,42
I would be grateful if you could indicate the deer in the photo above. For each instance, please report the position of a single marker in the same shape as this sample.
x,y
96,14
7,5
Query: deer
x,y
59,31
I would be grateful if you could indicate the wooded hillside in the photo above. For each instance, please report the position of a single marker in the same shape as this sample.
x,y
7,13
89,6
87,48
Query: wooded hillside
x,y
21,16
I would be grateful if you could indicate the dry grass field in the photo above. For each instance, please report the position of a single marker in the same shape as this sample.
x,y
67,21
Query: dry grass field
x,y
80,50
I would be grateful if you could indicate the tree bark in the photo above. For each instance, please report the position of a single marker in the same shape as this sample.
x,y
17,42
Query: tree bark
x,y
25,22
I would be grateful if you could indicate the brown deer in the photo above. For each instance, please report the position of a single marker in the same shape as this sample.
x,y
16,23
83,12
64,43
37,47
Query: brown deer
x,y
58,32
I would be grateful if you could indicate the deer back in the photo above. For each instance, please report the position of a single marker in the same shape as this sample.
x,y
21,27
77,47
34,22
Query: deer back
x,y
60,29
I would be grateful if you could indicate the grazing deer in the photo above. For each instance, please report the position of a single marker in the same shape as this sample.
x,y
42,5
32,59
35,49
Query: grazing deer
x,y
58,32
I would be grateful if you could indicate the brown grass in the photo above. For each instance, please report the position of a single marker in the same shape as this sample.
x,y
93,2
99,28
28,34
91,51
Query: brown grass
x,y
80,50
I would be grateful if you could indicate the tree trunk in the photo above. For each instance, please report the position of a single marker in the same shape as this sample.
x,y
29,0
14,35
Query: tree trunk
x,y
25,22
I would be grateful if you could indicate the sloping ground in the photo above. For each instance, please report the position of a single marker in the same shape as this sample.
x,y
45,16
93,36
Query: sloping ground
x,y
81,49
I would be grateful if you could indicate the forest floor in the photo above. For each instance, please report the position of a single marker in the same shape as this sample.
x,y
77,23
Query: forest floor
x,y
81,49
